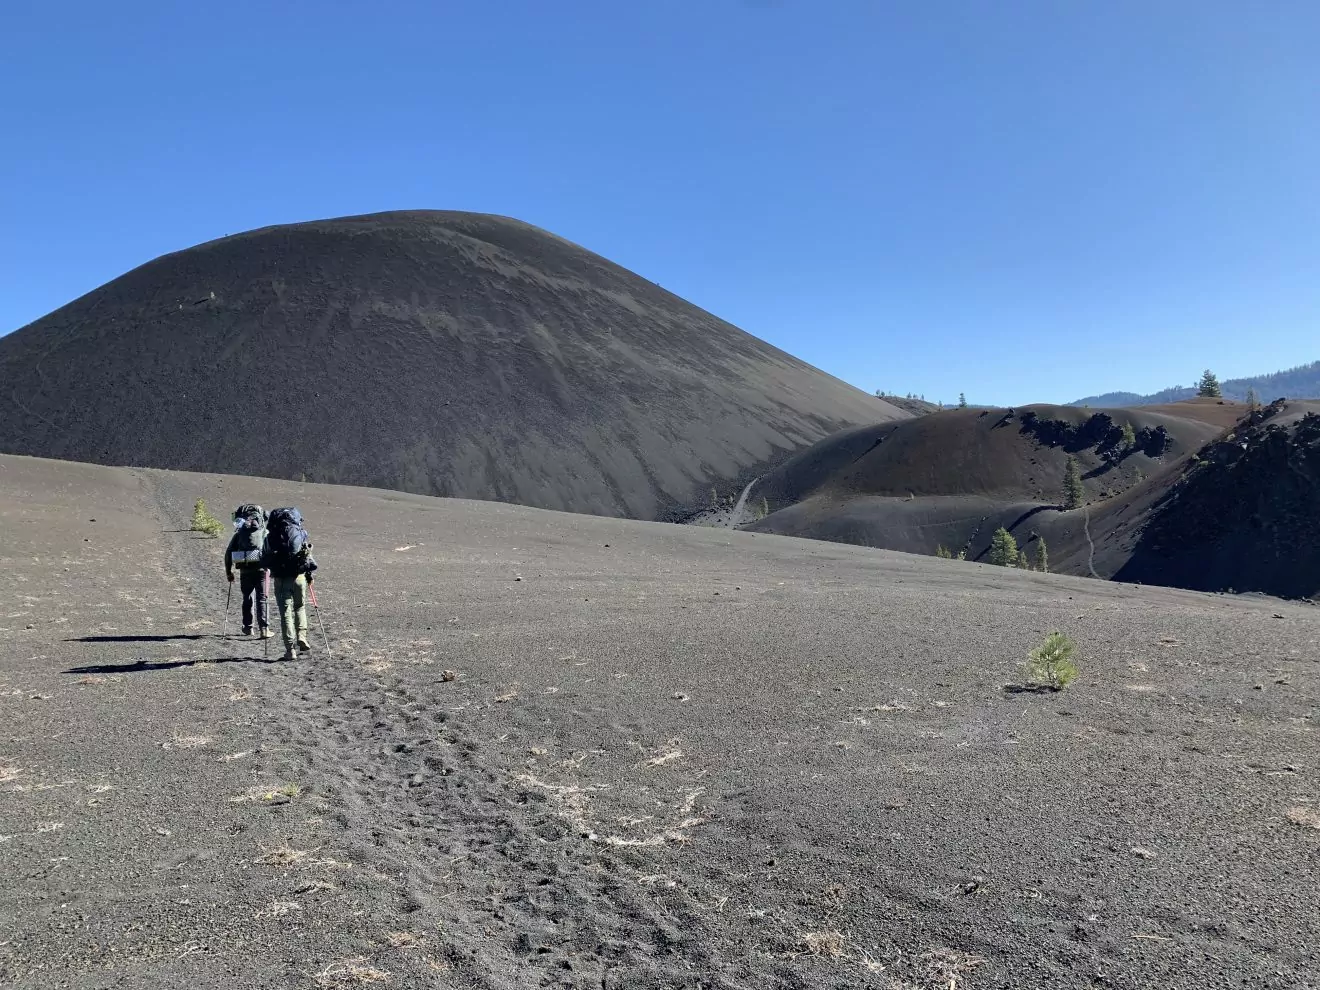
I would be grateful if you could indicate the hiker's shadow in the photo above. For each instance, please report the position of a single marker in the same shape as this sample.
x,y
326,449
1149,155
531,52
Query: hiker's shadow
x,y
144,665
138,639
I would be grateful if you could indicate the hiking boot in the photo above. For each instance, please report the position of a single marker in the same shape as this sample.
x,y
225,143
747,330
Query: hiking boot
x,y
289,655
304,646
266,633
247,630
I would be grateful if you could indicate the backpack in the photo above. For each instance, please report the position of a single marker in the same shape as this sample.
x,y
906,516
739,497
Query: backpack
x,y
249,525
286,541
249,510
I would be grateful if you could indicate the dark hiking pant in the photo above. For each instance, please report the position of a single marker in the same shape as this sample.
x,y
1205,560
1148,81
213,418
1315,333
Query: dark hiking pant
x,y
291,596
252,581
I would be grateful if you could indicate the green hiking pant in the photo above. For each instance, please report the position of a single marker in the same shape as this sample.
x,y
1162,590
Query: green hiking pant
x,y
291,599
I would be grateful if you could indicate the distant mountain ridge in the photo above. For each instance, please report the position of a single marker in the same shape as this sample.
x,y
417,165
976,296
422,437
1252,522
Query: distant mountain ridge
x,y
1301,382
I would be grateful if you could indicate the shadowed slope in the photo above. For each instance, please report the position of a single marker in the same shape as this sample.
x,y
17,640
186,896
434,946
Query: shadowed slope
x,y
1004,454
1244,514
1189,503
446,353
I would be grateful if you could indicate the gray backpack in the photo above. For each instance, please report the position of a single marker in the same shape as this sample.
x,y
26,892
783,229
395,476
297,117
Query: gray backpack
x,y
250,533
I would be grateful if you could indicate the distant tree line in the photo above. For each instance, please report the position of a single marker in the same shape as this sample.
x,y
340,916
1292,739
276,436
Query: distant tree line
x,y
1005,552
1301,382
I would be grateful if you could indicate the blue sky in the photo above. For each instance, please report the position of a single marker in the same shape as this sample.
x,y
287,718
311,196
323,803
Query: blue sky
x,y
1025,201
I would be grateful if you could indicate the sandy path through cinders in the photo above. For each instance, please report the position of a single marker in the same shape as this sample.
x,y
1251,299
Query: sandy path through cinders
x,y
144,839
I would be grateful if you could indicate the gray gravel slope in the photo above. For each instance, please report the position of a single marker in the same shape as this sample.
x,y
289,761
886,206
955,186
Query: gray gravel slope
x,y
681,757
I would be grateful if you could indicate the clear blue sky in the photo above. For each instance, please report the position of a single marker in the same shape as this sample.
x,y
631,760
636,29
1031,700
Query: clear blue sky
x,y
1026,201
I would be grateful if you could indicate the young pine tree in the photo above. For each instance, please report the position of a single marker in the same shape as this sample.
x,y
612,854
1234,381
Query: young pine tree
x,y
1073,492
1042,556
203,521
1022,563
1253,400
962,400
1208,387
1053,664
1003,548
942,552
1129,437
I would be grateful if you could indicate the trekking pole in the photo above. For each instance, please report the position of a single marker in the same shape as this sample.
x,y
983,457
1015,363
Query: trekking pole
x,y
224,628
265,643
320,621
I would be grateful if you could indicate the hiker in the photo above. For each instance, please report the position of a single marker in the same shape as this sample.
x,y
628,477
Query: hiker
x,y
287,554
244,553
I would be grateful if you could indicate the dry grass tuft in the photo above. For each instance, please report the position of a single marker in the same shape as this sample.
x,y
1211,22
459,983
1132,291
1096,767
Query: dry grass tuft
x,y
91,679
312,886
186,742
277,795
8,773
350,973
664,758
278,909
829,944
949,965
284,855
1305,817
287,855
404,940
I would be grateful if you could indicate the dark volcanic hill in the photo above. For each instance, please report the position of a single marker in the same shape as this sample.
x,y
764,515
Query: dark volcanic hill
x,y
439,353
1243,513
1207,495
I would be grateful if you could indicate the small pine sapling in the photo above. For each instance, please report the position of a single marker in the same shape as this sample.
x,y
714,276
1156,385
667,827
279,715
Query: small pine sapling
x,y
204,522
1051,665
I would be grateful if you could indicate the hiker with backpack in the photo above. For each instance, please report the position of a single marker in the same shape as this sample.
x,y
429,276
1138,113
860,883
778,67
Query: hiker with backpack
x,y
244,554
287,554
